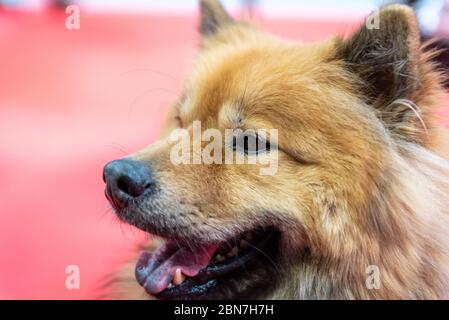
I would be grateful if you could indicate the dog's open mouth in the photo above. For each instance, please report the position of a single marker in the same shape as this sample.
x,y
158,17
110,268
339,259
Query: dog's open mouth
x,y
184,270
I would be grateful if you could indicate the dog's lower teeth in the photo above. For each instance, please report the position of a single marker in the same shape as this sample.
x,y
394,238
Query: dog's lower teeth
x,y
232,253
178,278
219,258
227,252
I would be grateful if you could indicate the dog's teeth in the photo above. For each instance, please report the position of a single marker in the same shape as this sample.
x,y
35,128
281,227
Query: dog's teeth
x,y
232,253
179,277
243,244
219,258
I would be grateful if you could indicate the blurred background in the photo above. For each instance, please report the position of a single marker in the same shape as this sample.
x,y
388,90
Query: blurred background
x,y
72,100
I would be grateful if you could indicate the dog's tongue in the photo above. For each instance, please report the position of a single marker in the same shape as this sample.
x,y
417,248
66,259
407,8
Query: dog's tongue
x,y
155,271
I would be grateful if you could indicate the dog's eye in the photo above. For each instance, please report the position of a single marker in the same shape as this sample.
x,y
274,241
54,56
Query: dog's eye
x,y
251,144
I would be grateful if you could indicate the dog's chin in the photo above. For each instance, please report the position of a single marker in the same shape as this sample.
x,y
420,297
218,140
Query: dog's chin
x,y
244,266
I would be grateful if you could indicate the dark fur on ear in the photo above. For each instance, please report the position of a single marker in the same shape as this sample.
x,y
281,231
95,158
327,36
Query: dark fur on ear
x,y
386,59
213,17
394,72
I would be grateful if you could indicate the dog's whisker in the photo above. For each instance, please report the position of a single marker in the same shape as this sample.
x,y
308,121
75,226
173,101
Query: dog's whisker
x,y
268,257
148,91
175,81
118,147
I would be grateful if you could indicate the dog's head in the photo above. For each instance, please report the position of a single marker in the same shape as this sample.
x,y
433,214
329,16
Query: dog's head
x,y
319,120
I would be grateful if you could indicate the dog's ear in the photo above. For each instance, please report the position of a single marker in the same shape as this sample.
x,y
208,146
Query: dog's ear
x,y
395,75
213,17
384,53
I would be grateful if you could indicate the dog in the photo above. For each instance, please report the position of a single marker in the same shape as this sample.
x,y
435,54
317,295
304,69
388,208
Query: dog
x,y
358,205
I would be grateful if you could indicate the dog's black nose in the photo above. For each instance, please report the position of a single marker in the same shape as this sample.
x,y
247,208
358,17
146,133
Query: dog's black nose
x,y
126,179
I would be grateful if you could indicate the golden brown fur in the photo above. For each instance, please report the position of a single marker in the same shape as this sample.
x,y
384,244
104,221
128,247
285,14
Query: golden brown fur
x,y
360,181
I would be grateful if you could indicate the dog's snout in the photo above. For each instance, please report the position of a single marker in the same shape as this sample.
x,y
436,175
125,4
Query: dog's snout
x,y
126,179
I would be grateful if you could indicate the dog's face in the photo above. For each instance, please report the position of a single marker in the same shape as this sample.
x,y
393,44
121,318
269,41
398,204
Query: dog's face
x,y
232,232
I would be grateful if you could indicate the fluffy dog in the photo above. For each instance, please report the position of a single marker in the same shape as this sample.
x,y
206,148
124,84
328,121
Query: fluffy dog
x,y
358,206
